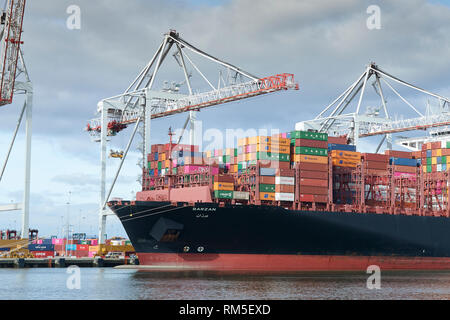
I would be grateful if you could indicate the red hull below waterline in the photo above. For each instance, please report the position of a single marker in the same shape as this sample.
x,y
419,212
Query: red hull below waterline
x,y
267,262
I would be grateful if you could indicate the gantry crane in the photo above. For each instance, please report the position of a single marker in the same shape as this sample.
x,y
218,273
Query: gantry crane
x,y
14,79
141,102
356,121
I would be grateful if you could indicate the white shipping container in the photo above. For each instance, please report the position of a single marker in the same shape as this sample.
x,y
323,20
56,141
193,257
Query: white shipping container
x,y
279,196
241,195
439,167
285,180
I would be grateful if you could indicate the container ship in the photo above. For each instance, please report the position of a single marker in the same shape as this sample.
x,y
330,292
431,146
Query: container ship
x,y
296,201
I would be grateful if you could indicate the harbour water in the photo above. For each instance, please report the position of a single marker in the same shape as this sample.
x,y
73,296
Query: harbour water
x,y
119,284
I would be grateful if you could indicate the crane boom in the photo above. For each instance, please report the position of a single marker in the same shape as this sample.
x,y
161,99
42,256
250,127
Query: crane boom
x,y
12,20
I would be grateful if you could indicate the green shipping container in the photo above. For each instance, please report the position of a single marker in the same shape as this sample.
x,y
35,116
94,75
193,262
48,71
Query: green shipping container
x,y
444,159
429,168
222,194
309,135
159,165
266,187
448,144
429,161
272,156
311,151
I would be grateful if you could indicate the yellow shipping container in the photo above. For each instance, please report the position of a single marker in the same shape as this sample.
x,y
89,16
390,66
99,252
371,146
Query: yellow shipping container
x,y
163,157
250,156
167,163
285,142
226,186
311,159
259,140
439,153
433,160
270,196
242,142
339,154
281,149
93,248
263,147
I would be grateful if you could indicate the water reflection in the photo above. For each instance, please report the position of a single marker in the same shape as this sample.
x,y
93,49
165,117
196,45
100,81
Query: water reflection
x,y
108,283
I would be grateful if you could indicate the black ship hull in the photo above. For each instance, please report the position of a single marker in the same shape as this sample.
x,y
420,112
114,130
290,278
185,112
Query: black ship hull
x,y
210,237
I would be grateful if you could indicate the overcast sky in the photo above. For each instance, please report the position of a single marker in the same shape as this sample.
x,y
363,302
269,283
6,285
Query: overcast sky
x,y
326,44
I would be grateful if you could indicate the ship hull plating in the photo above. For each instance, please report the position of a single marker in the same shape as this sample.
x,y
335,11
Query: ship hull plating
x,y
265,238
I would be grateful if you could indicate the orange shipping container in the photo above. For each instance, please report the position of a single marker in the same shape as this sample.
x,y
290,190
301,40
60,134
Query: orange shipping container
x,y
310,159
345,162
340,154
267,196
281,142
227,186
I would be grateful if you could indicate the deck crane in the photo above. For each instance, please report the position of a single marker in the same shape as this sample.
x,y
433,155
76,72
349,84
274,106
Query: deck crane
x,y
341,117
14,79
141,102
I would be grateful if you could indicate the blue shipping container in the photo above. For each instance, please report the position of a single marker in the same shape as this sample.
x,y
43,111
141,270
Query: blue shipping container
x,y
41,247
71,247
343,147
4,249
156,156
429,154
403,162
267,171
46,241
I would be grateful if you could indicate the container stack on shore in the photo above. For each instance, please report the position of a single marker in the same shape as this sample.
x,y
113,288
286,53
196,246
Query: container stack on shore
x,y
54,247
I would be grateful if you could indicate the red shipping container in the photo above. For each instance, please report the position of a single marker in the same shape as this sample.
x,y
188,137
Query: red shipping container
x,y
81,247
313,182
224,178
407,169
311,143
285,172
313,190
434,168
81,253
313,198
284,188
313,166
445,152
267,179
377,172
375,157
398,154
435,145
43,254
337,140
376,165
314,174
274,164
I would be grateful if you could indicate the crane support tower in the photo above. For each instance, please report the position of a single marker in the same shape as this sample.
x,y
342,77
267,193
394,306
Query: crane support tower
x,y
140,103
15,80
